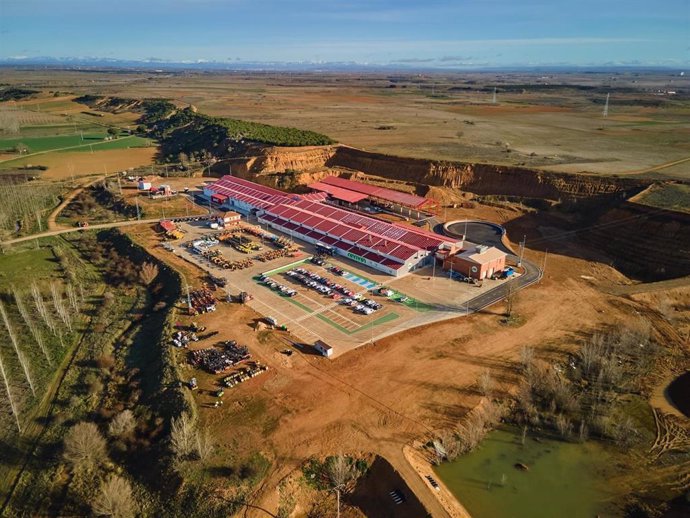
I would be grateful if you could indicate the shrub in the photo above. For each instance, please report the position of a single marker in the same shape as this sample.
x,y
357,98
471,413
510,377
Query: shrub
x,y
84,446
123,423
115,499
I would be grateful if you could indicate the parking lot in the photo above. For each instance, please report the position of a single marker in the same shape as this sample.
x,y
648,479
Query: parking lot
x,y
416,299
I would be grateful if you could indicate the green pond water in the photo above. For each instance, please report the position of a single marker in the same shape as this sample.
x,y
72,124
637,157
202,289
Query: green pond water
x,y
564,480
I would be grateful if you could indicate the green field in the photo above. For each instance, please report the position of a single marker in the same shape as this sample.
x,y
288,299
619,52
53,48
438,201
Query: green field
x,y
19,266
673,196
75,142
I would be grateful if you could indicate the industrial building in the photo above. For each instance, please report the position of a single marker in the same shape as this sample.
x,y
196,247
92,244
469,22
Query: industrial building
x,y
476,261
352,192
389,247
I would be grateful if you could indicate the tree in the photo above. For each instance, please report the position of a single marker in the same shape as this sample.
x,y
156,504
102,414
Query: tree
x,y
84,446
340,470
485,383
113,132
115,499
123,423
148,273
183,437
511,299
21,148
204,445
527,358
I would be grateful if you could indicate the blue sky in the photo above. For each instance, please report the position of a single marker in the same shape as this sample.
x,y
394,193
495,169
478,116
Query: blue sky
x,y
450,33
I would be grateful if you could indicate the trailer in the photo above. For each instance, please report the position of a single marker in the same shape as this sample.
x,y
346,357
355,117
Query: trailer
x,y
323,348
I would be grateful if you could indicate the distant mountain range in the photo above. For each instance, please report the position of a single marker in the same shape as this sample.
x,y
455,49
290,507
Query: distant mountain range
x,y
155,64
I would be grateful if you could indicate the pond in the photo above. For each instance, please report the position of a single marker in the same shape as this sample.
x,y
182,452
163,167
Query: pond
x,y
562,479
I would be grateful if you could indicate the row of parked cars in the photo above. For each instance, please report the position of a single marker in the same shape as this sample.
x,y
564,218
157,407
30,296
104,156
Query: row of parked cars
x,y
323,285
361,305
285,290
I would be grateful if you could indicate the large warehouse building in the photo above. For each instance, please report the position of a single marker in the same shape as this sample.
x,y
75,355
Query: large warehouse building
x,y
388,247
352,192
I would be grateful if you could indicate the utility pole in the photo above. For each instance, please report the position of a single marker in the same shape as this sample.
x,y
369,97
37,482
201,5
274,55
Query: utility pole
x,y
606,106
522,250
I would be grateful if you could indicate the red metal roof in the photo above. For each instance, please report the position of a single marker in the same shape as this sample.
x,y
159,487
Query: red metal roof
x,y
167,225
252,193
402,198
314,196
338,193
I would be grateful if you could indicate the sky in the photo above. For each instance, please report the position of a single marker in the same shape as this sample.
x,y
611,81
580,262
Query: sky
x,y
424,33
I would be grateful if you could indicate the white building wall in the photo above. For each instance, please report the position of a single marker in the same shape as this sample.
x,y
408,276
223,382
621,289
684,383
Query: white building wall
x,y
376,266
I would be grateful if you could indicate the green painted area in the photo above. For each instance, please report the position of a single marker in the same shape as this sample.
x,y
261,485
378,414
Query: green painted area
x,y
563,479
57,142
382,320
286,267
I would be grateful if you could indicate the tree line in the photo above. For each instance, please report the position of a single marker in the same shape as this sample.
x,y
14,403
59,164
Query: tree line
x,y
185,131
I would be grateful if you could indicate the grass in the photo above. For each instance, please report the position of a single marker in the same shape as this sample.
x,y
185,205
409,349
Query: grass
x,y
36,264
673,196
58,142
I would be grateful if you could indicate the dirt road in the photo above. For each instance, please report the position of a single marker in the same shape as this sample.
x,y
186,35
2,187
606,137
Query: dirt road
x,y
52,223
57,232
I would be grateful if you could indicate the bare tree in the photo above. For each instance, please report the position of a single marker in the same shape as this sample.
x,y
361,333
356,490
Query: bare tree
x,y
60,307
73,298
583,432
148,273
123,423
42,310
84,446
447,446
9,124
511,299
35,332
204,445
340,470
485,383
527,358
563,425
183,437
115,499
13,339
13,405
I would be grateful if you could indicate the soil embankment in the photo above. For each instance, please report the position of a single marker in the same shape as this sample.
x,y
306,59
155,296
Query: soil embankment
x,y
310,163
645,242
